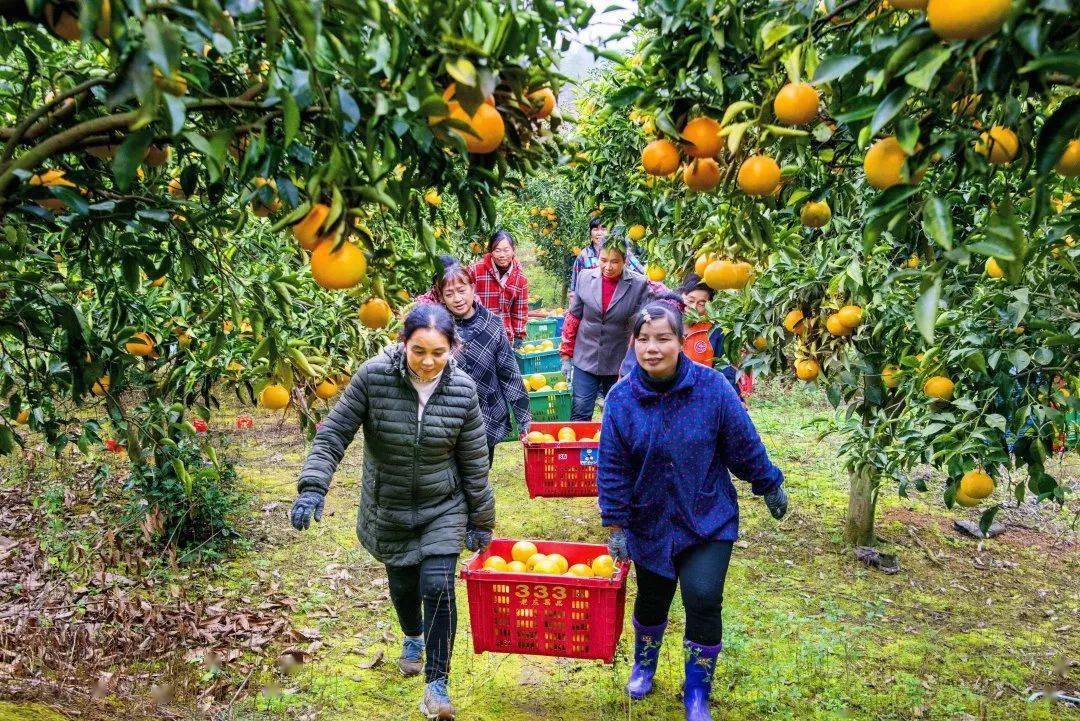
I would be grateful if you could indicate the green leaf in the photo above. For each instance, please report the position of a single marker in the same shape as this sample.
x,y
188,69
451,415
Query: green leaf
x,y
1068,63
992,247
177,113
626,95
1020,359
773,32
888,109
291,116
833,68
462,70
927,65
937,222
987,518
7,440
926,308
716,70
129,155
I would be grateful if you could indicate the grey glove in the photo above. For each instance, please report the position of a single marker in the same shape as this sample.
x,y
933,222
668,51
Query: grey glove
x,y
618,545
776,502
477,539
567,368
306,505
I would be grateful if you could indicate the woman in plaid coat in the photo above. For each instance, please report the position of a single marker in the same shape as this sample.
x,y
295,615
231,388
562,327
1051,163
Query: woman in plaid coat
x,y
484,353
501,286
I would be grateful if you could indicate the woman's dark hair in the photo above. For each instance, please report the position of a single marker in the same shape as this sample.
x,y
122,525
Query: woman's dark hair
x,y
693,282
664,308
615,242
595,223
499,236
451,269
430,315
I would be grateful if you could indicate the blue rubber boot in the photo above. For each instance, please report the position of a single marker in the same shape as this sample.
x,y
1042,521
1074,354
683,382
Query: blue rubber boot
x,y
647,641
700,666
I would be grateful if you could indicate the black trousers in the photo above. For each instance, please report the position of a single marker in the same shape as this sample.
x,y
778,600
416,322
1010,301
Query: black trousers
x,y
701,572
423,596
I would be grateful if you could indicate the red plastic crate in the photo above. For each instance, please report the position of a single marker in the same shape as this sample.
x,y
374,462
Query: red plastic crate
x,y
562,469
542,615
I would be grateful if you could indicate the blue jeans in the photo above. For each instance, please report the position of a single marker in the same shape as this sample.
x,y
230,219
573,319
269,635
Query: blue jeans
x,y
702,570
586,387
428,585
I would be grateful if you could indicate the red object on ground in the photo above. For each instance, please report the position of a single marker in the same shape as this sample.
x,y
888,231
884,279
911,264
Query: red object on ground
x,y
200,425
244,422
113,447
529,613
562,469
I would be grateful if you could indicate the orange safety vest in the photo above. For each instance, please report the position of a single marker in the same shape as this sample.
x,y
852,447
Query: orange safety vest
x,y
696,346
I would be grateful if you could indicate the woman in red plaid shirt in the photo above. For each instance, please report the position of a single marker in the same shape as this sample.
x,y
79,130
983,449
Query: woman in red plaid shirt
x,y
501,286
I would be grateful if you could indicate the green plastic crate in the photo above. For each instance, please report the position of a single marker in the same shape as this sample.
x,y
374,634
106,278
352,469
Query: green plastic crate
x,y
551,405
541,328
545,361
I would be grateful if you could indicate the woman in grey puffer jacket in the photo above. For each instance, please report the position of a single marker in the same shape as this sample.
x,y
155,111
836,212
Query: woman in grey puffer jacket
x,y
425,489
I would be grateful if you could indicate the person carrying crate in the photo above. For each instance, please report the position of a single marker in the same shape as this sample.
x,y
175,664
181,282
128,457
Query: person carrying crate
x,y
425,489
673,432
597,328
484,353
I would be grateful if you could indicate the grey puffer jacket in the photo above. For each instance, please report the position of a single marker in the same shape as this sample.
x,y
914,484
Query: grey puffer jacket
x,y
423,481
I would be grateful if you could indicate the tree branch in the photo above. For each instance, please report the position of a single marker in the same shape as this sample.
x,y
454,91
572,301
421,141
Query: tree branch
x,y
30,128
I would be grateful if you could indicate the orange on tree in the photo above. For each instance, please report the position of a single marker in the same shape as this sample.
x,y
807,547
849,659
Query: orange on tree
x,y
796,104
656,273
23,417
850,315
432,197
965,500
307,231
760,343
523,550
727,275
807,369
175,85
1069,163
157,282
912,262
375,313
156,156
543,102
340,268
939,387
815,214
836,326
262,210
759,175
993,269
63,20
274,397
636,232
660,157
890,376
141,344
101,386
966,19
176,190
702,263
702,138
603,566
701,175
998,144
976,484
326,390
884,162
794,322
486,129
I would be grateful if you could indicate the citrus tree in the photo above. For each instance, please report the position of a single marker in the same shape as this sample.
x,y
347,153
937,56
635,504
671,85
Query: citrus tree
x,y
218,192
886,190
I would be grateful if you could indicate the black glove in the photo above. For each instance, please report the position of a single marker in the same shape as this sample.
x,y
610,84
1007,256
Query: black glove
x,y
306,505
567,368
477,539
776,502
518,342
618,545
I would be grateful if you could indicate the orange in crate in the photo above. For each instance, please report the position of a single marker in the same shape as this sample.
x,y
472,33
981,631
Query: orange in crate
x,y
543,615
563,468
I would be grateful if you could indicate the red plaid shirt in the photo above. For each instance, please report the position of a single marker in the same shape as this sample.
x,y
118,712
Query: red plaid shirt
x,y
508,298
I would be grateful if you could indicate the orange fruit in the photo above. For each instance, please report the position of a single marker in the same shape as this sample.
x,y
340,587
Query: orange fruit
x,y
495,563
793,322
157,282
176,190
23,417
992,268
307,231
531,561
603,566
701,175
965,500
890,376
100,387
1069,164
560,560
759,175
702,263
543,102
850,315
156,157
912,262
660,157
760,343
835,326
656,273
567,435
721,275
884,162
535,437
51,178
636,232
580,570
702,136
548,438
966,19
815,214
486,124
176,85
523,550
999,144
976,484
326,390
274,397
515,567
796,104
939,387
262,210
65,24
807,369
547,566
141,344
338,269
375,313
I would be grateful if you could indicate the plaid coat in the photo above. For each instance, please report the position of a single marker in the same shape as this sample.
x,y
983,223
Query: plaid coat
x,y
485,355
508,298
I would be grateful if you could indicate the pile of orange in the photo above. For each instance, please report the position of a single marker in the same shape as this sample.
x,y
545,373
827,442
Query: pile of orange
x,y
524,558
566,435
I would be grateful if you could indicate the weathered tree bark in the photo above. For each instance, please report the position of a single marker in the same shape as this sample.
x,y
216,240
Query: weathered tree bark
x,y
862,500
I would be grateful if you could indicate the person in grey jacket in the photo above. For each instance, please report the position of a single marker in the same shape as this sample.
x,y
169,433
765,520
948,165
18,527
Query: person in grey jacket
x,y
425,489
596,333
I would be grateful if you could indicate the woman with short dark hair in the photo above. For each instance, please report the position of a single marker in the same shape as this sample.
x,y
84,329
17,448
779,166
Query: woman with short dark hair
x,y
424,492
673,433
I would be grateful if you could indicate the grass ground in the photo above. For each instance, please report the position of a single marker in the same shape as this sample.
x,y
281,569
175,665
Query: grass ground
x,y
965,631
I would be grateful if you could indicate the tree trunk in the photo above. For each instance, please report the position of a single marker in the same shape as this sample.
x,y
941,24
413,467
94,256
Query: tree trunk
x,y
862,499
